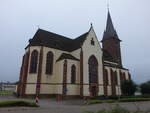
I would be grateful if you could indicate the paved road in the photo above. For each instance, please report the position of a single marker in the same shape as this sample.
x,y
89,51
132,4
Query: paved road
x,y
71,106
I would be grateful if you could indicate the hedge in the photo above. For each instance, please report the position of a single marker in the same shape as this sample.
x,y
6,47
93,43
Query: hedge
x,y
14,103
133,99
119,100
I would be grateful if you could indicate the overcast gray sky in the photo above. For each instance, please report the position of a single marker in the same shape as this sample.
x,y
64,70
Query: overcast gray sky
x,y
19,20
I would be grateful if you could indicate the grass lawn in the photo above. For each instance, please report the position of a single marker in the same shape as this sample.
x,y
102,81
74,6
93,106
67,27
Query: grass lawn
x,y
14,103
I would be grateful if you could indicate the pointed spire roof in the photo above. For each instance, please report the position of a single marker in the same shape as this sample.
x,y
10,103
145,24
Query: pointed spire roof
x,y
110,30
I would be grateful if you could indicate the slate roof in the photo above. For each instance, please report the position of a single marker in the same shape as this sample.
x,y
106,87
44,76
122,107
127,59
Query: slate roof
x,y
53,40
110,30
67,56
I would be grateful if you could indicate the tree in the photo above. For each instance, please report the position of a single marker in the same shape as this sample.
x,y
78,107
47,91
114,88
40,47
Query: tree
x,y
145,88
128,87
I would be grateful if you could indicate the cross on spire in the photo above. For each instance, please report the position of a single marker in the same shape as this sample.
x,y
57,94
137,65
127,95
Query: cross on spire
x,y
108,6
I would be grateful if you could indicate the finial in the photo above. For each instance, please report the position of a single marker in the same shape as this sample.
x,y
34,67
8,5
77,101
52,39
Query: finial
x,y
91,24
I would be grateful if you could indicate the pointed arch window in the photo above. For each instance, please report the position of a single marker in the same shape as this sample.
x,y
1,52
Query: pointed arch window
x,y
115,78
121,77
92,42
49,63
129,75
93,69
124,76
34,61
73,74
106,81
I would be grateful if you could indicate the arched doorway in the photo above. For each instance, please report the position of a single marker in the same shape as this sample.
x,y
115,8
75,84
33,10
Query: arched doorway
x,y
93,75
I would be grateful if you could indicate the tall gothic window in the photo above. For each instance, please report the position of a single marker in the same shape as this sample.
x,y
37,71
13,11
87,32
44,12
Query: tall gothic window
x,y
112,77
73,74
106,81
129,76
121,78
124,76
49,63
93,69
64,78
34,61
115,78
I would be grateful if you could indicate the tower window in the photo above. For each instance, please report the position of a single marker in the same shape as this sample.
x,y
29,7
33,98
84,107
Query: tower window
x,y
92,42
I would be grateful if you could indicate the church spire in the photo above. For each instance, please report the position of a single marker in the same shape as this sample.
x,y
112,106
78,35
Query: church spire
x,y
111,42
110,30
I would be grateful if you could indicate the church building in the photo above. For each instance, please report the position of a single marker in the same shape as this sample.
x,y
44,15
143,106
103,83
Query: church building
x,y
57,65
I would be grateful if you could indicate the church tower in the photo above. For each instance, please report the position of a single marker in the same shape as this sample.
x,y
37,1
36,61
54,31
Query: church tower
x,y
111,41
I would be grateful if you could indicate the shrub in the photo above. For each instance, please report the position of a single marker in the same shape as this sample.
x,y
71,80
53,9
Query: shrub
x,y
134,99
101,101
113,97
14,103
128,87
145,88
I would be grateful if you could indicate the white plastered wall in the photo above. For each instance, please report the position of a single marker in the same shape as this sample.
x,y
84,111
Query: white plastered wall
x,y
73,89
48,85
52,84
